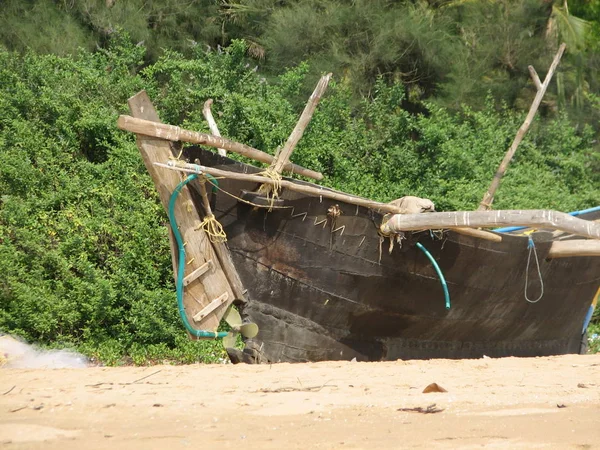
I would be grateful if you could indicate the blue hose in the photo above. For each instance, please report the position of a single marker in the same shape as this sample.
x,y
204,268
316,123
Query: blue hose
x,y
181,267
439,272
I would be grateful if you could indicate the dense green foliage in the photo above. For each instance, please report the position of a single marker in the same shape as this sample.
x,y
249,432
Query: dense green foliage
x,y
450,51
84,257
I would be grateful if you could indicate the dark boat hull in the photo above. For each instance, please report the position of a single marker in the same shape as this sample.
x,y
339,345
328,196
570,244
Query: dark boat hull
x,y
327,288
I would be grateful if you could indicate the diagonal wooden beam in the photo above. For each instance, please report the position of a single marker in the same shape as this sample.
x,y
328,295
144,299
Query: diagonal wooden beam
x,y
488,197
284,156
174,133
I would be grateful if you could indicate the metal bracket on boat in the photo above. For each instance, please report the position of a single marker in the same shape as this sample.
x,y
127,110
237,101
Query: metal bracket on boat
x,y
220,300
198,272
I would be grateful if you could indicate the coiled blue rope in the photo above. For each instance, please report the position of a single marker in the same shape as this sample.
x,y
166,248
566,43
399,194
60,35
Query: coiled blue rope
x,y
181,266
439,273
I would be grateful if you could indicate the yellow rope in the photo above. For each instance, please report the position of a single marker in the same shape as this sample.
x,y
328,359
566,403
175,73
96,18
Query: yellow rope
x,y
334,212
239,199
178,157
211,226
271,190
213,229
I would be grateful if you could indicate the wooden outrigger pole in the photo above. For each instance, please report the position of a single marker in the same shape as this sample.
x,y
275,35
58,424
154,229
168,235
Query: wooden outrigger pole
x,y
540,218
174,134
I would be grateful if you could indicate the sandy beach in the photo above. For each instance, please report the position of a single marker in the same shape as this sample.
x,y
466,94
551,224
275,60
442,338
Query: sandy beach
x,y
494,403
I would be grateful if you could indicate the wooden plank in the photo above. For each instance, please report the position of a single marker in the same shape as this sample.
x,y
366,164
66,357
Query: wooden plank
x,y
474,219
222,251
173,133
579,247
220,300
198,247
197,273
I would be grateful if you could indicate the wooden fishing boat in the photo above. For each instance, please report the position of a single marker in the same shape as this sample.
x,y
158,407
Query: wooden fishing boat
x,y
322,275
325,288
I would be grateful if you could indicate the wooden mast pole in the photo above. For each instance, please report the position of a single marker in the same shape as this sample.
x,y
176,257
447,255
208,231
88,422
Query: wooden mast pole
x,y
488,197
284,156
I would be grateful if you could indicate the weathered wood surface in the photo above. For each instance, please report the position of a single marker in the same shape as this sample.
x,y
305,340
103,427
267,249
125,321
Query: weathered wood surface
x,y
488,197
570,248
212,125
540,218
535,77
174,133
221,250
202,291
284,156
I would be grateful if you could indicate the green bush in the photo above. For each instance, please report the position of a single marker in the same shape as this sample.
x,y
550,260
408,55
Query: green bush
x,y
84,257
593,335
